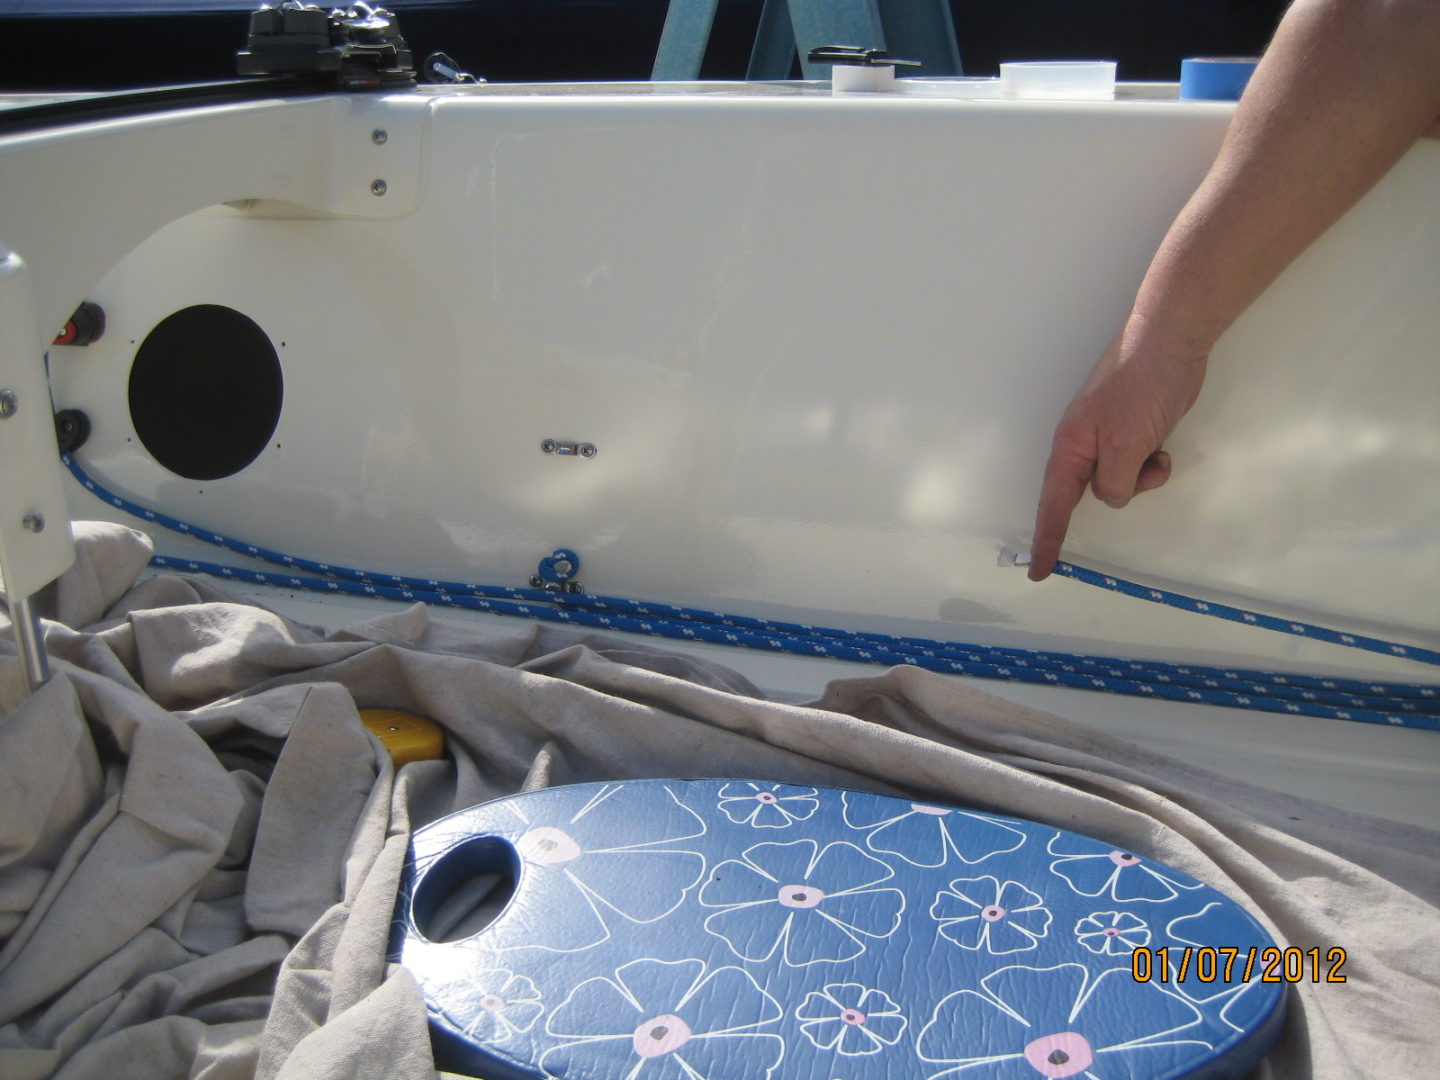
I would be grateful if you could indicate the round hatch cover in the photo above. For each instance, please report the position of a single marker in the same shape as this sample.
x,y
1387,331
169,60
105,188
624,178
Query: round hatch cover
x,y
206,391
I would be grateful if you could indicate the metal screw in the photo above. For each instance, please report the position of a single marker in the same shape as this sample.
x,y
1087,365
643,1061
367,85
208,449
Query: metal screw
x,y
587,450
33,522
378,187
378,136
8,404
548,446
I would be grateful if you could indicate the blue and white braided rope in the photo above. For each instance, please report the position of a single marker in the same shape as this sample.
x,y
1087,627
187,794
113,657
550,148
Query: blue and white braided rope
x,y
1250,618
1395,704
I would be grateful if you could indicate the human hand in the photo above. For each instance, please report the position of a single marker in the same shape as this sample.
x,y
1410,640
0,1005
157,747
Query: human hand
x,y
1111,435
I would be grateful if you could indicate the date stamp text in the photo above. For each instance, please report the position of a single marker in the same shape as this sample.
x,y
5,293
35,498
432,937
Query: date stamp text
x,y
1208,964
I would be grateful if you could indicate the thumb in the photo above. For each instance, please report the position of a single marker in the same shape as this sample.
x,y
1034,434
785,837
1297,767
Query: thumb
x,y
1154,472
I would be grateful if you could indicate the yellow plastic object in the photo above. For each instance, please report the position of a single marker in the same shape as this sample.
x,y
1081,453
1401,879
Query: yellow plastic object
x,y
408,737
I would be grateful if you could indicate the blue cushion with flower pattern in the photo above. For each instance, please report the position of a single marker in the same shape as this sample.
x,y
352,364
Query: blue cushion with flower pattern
x,y
743,930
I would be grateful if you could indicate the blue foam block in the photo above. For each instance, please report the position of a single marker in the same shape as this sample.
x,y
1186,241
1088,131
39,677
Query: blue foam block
x,y
743,930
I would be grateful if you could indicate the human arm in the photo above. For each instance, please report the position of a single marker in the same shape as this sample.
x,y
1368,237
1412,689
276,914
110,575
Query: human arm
x,y
1345,88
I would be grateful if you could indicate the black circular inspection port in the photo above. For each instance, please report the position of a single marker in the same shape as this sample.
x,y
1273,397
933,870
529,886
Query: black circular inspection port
x,y
205,392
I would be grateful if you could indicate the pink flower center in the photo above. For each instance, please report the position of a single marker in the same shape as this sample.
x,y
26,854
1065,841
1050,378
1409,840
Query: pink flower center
x,y
492,1003
1062,1054
799,896
1111,931
993,913
547,846
853,1016
660,1036
1124,858
766,797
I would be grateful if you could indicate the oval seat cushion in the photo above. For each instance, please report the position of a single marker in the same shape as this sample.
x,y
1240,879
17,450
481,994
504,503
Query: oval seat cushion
x,y
747,930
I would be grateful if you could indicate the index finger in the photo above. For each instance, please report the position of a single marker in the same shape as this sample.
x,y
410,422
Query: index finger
x,y
1066,478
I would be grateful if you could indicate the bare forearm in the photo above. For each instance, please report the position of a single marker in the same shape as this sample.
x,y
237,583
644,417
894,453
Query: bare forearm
x,y
1346,87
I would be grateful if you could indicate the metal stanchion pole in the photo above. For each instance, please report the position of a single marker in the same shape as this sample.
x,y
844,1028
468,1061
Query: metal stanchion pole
x,y
31,641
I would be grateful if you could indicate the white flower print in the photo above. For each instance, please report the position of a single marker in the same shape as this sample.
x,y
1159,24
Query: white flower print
x,y
1059,1022
1112,933
590,877
851,1019
767,806
498,1002
1120,875
817,903
928,835
1239,1008
982,912
665,1020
